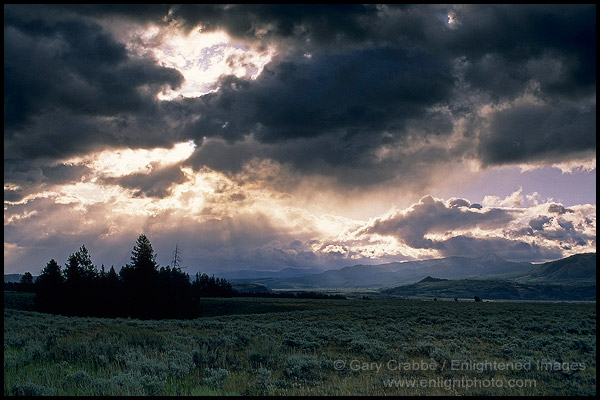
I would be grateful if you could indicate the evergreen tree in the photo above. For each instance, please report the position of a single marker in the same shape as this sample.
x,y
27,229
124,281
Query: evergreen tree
x,y
141,280
112,277
26,283
102,274
51,276
80,284
142,256
79,267
49,288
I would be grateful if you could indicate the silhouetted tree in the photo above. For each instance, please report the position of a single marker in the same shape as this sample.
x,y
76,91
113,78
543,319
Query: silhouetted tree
x,y
26,282
102,272
141,289
49,288
108,293
143,257
205,286
112,277
477,298
80,286
141,280
80,267
176,262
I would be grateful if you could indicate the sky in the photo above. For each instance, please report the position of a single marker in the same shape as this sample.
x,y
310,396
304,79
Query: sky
x,y
307,136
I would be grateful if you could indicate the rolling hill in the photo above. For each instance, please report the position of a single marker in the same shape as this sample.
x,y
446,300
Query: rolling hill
x,y
494,289
577,268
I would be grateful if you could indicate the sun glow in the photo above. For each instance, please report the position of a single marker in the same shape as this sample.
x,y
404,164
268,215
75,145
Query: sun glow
x,y
202,57
121,162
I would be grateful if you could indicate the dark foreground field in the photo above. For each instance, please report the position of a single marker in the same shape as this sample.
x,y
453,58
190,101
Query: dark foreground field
x,y
302,347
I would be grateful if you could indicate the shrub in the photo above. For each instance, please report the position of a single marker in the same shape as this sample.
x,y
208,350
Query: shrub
x,y
420,349
32,389
204,357
216,377
263,380
179,363
302,368
372,348
79,378
298,342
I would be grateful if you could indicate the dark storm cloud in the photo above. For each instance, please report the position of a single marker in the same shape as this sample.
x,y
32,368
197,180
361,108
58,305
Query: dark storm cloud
x,y
153,184
67,82
31,177
324,115
348,81
408,61
539,132
365,92
504,43
315,22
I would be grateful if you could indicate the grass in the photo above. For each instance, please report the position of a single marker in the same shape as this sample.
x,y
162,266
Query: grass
x,y
303,347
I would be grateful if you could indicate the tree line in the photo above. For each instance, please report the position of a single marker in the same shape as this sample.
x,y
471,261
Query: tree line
x,y
141,289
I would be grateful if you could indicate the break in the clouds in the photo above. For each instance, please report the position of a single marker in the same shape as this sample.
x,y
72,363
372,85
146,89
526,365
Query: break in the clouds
x,y
266,136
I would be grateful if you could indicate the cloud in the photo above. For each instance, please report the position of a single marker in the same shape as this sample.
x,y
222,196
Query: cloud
x,y
70,87
248,239
153,184
559,209
343,94
515,250
516,231
538,132
435,216
381,80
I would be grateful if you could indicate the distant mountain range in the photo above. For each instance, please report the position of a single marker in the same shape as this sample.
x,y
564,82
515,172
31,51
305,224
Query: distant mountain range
x,y
281,274
578,268
12,277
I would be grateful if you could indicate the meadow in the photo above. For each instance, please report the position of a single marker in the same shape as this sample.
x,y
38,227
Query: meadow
x,y
261,346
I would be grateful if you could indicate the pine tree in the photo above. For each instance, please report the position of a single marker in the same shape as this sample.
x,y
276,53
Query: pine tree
x,y
26,283
112,276
51,275
142,256
89,271
49,288
141,280
79,267
80,283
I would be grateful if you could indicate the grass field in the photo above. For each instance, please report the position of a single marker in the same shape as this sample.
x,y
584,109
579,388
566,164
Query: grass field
x,y
254,346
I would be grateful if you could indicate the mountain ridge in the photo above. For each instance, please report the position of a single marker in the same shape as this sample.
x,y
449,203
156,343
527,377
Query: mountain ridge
x,y
398,273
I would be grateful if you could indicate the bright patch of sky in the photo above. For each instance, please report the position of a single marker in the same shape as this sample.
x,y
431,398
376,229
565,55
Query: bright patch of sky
x,y
115,163
202,57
